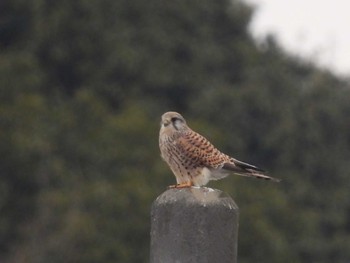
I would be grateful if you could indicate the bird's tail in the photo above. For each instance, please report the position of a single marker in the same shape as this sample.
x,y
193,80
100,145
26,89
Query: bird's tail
x,y
248,170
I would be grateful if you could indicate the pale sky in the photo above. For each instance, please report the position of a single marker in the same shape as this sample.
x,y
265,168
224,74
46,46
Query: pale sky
x,y
314,29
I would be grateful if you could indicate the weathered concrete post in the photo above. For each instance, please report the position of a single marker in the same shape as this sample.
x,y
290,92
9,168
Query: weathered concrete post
x,y
197,225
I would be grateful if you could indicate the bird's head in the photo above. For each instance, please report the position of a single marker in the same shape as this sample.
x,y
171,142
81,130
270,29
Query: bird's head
x,y
172,121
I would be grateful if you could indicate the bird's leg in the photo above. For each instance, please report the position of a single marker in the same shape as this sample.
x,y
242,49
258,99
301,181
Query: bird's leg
x,y
182,185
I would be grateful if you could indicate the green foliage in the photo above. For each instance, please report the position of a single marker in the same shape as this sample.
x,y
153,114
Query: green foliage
x,y
83,86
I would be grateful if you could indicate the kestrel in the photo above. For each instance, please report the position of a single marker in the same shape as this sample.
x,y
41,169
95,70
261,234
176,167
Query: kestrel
x,y
193,159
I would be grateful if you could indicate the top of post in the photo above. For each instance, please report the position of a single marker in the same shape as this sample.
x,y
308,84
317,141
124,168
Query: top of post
x,y
202,196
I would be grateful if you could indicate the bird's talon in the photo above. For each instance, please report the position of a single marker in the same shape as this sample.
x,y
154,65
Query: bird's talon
x,y
182,185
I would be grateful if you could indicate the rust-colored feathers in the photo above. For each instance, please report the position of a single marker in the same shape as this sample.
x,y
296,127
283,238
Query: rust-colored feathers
x,y
193,159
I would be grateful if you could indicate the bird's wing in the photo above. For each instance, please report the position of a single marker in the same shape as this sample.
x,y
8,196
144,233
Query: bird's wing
x,y
245,166
200,151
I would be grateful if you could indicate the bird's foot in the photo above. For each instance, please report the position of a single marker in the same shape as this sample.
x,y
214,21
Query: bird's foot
x,y
182,185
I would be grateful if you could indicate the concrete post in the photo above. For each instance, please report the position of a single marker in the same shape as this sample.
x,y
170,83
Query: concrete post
x,y
196,225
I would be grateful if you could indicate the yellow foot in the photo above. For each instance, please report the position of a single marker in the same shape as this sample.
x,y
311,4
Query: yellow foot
x,y
182,185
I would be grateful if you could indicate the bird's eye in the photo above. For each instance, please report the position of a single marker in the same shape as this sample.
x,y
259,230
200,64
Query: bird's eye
x,y
173,119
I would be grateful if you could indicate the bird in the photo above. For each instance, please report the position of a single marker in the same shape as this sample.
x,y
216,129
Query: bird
x,y
193,159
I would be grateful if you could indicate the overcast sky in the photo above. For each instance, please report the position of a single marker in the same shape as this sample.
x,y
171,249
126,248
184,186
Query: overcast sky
x,y
315,29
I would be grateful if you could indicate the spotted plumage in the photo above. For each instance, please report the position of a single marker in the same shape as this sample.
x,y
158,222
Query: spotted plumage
x,y
193,159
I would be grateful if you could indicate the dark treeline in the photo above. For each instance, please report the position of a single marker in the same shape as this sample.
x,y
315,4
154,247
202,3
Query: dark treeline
x,y
83,85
